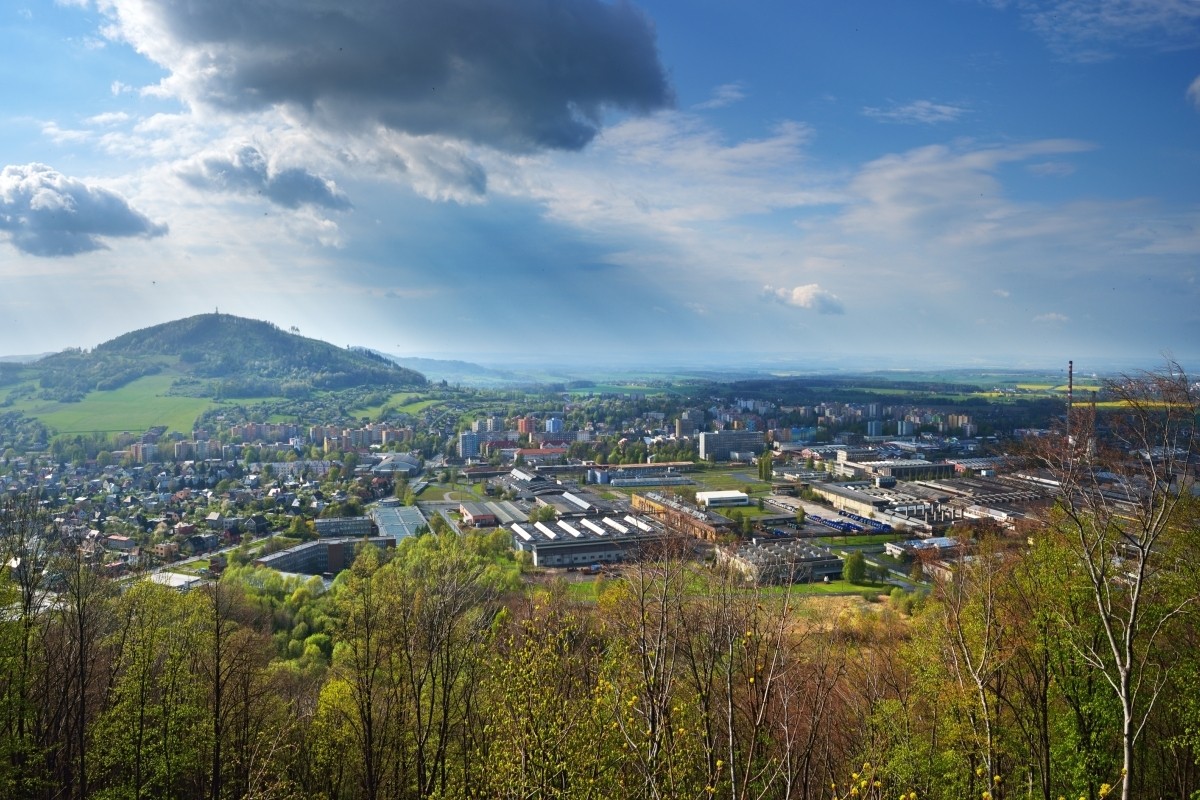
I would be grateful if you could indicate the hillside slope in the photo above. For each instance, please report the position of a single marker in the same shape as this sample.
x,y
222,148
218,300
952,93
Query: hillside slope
x,y
219,355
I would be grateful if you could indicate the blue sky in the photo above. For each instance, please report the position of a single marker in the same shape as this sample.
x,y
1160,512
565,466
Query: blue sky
x,y
959,182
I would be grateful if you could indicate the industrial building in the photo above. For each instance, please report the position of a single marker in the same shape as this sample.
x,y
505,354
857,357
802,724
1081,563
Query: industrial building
x,y
397,521
775,562
718,445
938,547
345,526
679,517
718,499
478,515
322,557
588,540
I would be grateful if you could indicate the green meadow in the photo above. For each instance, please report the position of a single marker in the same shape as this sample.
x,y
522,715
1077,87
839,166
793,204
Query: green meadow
x,y
134,407
401,401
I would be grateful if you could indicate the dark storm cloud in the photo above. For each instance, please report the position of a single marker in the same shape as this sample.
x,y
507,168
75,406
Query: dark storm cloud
x,y
246,171
517,75
46,213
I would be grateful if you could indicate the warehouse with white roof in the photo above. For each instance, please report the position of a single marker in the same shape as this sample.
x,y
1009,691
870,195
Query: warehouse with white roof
x,y
586,540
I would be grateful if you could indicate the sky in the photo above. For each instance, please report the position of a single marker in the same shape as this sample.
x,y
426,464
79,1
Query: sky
x,y
960,182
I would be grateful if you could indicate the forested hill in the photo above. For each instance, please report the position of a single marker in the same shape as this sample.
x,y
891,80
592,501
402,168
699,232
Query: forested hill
x,y
220,354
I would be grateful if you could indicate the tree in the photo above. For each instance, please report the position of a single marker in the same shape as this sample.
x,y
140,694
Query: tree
x,y
1125,510
766,469
854,569
26,535
149,741
231,657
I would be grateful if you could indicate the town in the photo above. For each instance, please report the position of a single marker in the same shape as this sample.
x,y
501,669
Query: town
x,y
313,560
592,482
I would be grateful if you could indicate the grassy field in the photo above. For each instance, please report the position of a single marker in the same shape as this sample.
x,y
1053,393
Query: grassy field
x,y
457,494
399,401
585,591
615,388
834,588
135,407
737,478
866,539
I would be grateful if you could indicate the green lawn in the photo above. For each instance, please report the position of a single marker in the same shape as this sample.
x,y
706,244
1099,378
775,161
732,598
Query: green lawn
x,y
134,407
866,539
720,480
458,494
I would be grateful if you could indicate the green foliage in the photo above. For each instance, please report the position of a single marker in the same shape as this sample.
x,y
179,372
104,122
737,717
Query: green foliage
x,y
854,568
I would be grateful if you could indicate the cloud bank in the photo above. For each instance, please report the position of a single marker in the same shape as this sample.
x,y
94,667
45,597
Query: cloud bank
x,y
46,213
245,170
514,75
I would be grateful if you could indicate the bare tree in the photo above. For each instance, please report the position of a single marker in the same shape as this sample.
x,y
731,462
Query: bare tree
x,y
1125,501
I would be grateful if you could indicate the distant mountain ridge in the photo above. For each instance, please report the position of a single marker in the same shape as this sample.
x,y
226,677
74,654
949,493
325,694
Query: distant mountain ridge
x,y
454,371
220,355
22,359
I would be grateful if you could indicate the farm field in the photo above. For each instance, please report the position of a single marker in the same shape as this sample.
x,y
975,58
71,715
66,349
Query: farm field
x,y
616,388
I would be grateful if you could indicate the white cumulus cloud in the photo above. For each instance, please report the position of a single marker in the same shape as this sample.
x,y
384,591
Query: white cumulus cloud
x,y
246,170
46,213
809,296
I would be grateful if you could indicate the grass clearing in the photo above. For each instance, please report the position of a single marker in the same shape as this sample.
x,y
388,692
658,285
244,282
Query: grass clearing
x,y
135,407
838,587
587,590
401,401
865,539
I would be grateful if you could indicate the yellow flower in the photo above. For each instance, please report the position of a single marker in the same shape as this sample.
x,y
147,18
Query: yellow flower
x,y
1105,789
995,779
979,772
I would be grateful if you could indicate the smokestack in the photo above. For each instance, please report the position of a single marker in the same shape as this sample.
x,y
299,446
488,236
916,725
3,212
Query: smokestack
x,y
1070,391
